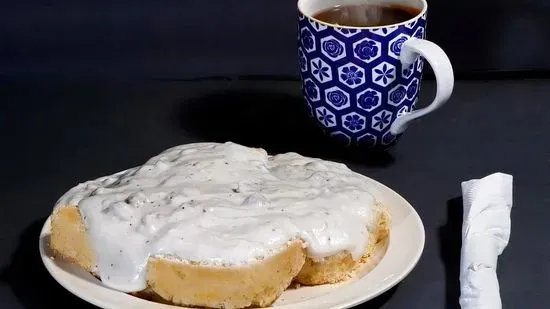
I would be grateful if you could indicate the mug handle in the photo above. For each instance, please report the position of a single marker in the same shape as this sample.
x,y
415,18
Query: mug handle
x,y
444,78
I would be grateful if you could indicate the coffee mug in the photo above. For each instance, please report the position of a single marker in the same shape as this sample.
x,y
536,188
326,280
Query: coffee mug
x,y
362,83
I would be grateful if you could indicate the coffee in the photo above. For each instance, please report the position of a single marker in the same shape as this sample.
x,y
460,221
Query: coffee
x,y
366,15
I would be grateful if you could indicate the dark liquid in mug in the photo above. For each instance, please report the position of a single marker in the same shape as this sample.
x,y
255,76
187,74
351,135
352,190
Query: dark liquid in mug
x,y
367,15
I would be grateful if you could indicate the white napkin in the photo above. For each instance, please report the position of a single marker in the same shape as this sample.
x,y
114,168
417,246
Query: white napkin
x,y
485,234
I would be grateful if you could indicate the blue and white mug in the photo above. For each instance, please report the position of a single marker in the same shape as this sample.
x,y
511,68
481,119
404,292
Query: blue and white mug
x,y
362,83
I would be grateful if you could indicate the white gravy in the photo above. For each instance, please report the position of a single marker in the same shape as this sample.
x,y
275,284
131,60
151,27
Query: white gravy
x,y
220,204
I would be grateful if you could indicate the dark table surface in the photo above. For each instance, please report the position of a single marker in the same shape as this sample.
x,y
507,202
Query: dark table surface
x,y
55,135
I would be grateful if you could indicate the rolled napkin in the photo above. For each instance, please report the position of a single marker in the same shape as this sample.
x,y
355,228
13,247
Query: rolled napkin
x,y
485,234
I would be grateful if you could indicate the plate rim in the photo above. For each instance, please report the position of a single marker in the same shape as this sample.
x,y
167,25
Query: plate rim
x,y
347,301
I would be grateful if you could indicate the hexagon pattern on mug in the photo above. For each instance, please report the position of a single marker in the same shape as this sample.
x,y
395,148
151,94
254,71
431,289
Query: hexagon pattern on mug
x,y
353,80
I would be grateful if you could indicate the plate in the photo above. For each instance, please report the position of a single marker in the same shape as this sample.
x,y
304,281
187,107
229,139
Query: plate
x,y
388,267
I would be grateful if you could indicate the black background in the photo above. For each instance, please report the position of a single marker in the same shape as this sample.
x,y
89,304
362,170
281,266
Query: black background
x,y
126,39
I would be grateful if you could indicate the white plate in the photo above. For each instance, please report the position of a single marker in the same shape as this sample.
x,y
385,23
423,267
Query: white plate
x,y
403,252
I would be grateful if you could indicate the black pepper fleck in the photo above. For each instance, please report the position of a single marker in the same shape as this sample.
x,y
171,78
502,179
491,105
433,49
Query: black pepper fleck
x,y
236,190
327,213
182,207
112,265
204,210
